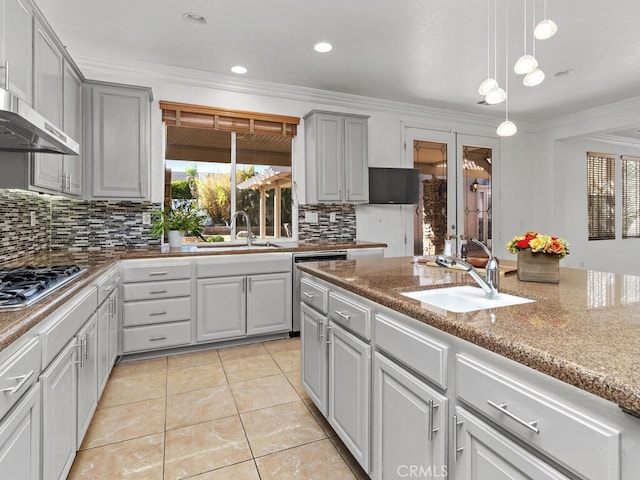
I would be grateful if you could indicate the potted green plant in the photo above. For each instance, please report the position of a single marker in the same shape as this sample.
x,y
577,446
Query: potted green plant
x,y
178,222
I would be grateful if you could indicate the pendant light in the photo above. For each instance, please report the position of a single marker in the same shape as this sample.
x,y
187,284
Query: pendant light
x,y
506,128
536,76
490,82
526,63
546,28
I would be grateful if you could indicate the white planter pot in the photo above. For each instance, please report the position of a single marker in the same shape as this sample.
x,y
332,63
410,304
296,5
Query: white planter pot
x,y
175,239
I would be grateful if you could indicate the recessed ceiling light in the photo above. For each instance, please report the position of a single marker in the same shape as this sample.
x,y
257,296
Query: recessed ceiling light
x,y
323,47
239,69
194,18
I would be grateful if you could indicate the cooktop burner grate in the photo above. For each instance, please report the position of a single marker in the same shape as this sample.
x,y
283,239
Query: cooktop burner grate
x,y
23,286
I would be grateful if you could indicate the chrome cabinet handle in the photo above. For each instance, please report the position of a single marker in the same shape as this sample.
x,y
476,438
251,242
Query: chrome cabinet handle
x,y
155,339
80,345
432,431
328,335
457,449
308,295
320,335
107,288
249,283
503,408
342,315
154,314
157,292
22,379
156,274
244,280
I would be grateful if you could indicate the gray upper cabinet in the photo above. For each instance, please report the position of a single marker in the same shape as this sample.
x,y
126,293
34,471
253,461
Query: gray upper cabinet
x,y
336,155
72,125
117,142
16,30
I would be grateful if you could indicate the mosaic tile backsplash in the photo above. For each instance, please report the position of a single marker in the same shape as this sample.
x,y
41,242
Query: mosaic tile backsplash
x,y
68,223
343,228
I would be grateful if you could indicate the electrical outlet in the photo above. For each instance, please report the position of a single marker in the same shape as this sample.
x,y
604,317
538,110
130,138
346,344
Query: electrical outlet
x,y
311,217
332,217
33,219
146,218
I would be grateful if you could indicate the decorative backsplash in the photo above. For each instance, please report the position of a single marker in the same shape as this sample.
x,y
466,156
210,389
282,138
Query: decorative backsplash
x,y
17,236
62,223
82,224
343,228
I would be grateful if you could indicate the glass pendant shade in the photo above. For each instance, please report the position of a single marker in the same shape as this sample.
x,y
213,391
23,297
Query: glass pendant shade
x,y
525,64
533,78
487,85
545,29
495,96
507,129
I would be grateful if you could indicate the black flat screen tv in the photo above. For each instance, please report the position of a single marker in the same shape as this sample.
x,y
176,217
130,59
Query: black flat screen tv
x,y
394,186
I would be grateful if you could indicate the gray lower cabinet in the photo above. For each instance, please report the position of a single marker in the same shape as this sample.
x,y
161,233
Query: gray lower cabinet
x,y
59,413
314,356
481,453
20,439
107,327
349,395
87,338
268,303
409,424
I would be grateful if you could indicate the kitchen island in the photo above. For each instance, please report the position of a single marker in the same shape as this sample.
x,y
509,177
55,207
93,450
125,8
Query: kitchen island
x,y
576,346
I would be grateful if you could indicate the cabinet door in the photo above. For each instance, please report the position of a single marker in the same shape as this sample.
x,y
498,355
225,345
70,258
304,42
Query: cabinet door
x,y
356,160
481,453
114,322
409,423
72,125
47,86
349,391
268,303
330,157
59,410
16,40
221,310
314,356
120,142
87,377
20,439
104,340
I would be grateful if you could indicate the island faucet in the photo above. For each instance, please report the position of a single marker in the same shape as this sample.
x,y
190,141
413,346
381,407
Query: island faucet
x,y
234,219
489,284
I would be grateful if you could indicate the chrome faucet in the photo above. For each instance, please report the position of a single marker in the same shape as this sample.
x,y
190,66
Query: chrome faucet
x,y
489,284
234,219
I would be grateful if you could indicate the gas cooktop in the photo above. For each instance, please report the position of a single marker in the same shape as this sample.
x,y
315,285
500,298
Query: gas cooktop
x,y
23,286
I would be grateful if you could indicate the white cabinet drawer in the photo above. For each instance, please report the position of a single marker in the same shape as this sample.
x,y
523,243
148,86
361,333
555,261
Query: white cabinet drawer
x,y
581,443
412,348
154,337
152,272
351,315
18,373
249,264
151,290
314,295
148,312
107,284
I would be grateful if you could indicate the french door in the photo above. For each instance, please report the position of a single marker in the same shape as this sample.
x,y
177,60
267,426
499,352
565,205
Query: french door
x,y
457,179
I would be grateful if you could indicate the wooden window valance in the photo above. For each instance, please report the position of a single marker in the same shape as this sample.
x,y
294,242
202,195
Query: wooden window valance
x,y
239,121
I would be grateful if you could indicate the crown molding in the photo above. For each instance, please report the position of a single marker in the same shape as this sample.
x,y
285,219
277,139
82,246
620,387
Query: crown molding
x,y
112,67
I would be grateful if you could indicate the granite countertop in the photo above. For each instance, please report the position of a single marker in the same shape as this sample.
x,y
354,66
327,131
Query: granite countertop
x,y
584,331
15,323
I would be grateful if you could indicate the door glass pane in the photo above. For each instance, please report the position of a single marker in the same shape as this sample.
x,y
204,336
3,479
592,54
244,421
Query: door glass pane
x,y
430,219
476,172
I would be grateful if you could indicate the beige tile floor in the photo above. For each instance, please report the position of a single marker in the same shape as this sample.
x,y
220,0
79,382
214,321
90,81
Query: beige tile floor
x,y
236,413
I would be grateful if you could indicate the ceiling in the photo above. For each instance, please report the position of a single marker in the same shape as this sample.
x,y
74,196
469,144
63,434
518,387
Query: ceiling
x,y
425,52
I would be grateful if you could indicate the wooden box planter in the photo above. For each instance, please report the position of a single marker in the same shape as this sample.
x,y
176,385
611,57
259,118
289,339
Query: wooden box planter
x,y
538,267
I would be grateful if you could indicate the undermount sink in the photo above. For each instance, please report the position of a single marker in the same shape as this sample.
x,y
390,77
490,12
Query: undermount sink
x,y
464,298
226,246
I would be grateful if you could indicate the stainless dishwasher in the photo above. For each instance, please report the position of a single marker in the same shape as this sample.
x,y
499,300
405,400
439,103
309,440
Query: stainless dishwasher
x,y
322,256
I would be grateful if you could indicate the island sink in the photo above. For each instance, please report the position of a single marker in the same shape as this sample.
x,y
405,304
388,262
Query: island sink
x,y
464,298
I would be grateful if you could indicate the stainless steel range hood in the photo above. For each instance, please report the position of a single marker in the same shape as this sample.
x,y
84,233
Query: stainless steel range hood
x,y
22,129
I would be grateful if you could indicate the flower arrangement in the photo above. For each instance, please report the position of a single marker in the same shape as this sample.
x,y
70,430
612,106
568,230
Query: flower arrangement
x,y
539,243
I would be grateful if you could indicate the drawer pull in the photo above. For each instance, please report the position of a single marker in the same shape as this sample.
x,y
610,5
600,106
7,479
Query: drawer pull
x,y
155,339
503,408
107,288
342,315
457,449
155,314
308,295
157,292
21,381
157,274
328,335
